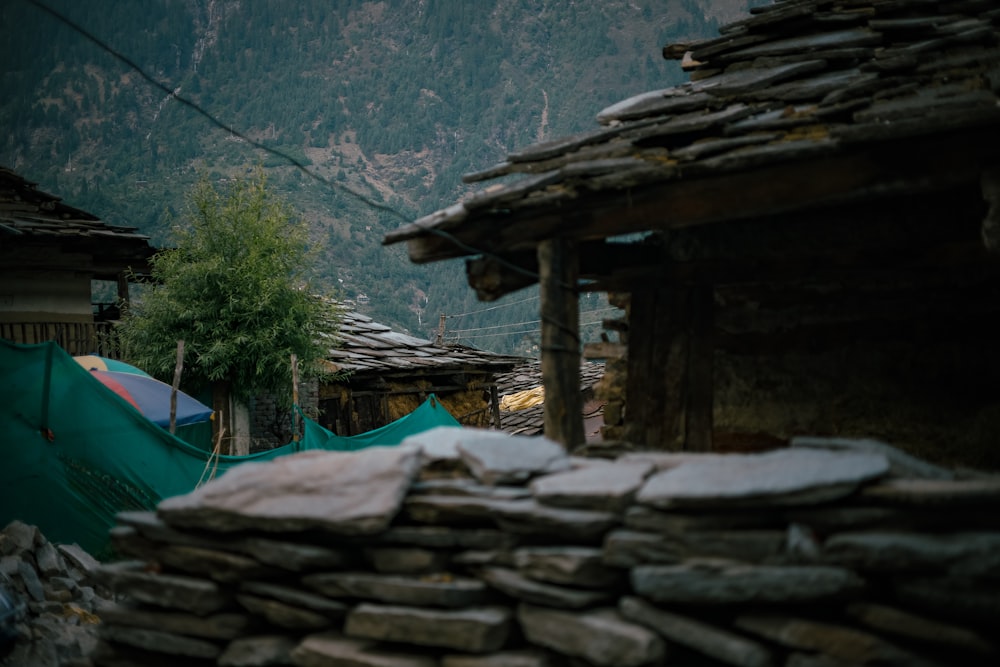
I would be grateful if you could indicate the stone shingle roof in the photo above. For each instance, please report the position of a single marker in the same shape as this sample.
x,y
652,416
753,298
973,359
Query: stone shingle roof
x,y
531,421
804,103
32,218
366,347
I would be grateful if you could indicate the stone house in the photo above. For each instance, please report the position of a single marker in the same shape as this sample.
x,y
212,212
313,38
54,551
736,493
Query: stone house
x,y
380,375
804,235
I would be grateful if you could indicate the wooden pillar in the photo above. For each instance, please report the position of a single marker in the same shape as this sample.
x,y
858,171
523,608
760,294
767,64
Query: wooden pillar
x,y
495,406
669,385
560,313
700,382
650,420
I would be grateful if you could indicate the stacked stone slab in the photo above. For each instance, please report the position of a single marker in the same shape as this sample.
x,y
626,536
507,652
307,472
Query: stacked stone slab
x,y
53,594
470,548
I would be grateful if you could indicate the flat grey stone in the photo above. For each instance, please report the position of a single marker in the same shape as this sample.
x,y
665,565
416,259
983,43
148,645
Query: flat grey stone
x,y
494,457
573,566
907,625
901,464
398,589
450,537
261,651
32,583
347,493
222,566
473,630
450,510
525,658
22,536
50,563
727,582
284,615
161,642
294,556
843,643
520,517
648,519
172,591
899,552
527,517
480,558
602,637
296,597
604,486
625,548
469,487
226,625
723,645
777,478
80,559
406,560
522,588
330,649
973,493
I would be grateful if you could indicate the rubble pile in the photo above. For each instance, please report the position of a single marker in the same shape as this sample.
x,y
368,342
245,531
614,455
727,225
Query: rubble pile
x,y
469,548
53,594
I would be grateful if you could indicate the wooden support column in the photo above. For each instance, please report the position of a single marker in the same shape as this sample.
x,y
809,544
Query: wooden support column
x,y
700,383
650,417
669,388
560,313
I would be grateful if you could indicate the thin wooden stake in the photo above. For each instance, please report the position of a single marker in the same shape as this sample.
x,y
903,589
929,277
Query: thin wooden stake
x,y
295,398
177,383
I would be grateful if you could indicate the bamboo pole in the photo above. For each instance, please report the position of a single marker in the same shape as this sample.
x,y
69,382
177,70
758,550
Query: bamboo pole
x,y
178,367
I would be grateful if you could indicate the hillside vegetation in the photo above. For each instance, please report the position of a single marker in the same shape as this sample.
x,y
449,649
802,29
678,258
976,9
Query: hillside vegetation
x,y
391,100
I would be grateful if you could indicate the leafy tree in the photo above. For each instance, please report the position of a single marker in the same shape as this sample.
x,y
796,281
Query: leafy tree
x,y
237,289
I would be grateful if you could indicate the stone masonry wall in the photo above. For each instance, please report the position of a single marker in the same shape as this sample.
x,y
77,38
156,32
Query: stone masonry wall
x,y
473,548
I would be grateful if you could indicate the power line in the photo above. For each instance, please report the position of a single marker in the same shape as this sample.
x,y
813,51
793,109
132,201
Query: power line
x,y
272,151
484,310
212,119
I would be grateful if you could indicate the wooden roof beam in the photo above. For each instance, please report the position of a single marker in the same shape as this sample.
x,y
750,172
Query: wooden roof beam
x,y
498,275
878,170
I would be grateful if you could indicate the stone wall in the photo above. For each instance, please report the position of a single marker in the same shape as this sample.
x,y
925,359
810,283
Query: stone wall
x,y
471,548
270,426
52,595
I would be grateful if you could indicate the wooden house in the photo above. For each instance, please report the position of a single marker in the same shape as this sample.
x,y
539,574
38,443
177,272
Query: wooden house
x,y
805,234
50,256
385,375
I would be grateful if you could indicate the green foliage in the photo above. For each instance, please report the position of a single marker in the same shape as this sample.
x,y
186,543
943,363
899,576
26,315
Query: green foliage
x,y
236,289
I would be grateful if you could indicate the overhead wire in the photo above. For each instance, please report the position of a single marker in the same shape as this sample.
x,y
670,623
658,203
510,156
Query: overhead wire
x,y
273,151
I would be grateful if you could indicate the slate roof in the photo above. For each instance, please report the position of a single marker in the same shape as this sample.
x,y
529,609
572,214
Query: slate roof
x,y
30,217
805,102
366,347
531,421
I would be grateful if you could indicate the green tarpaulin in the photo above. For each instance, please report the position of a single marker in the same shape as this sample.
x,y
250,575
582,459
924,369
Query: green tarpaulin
x,y
75,454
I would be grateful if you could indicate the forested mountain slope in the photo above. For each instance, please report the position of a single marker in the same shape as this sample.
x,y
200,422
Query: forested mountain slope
x,y
393,100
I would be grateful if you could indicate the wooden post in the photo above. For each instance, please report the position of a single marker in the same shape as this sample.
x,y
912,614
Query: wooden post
x,y
295,397
495,406
669,387
700,370
178,368
560,313
649,422
439,341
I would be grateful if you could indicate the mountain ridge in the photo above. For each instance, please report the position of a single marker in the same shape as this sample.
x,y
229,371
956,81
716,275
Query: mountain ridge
x,y
393,100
